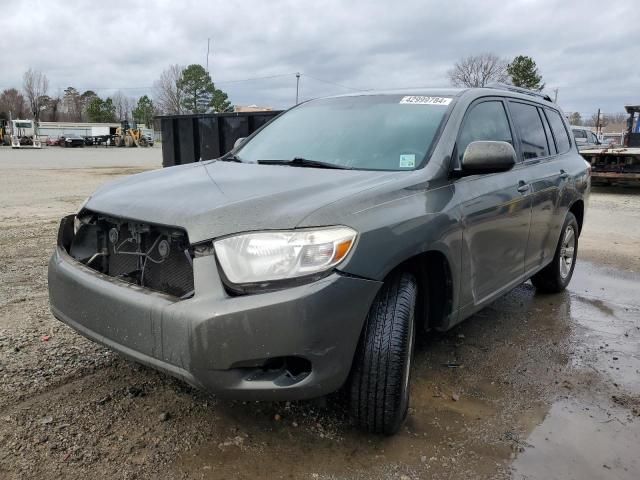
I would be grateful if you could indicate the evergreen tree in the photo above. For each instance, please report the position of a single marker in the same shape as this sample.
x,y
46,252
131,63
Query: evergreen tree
x,y
524,73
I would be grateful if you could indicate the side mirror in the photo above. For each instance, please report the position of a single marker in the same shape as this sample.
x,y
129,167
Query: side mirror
x,y
488,157
239,142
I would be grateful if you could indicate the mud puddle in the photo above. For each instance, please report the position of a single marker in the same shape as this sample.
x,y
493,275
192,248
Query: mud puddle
x,y
593,431
532,387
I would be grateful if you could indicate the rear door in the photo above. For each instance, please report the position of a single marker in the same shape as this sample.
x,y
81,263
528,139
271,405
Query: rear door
x,y
496,210
541,171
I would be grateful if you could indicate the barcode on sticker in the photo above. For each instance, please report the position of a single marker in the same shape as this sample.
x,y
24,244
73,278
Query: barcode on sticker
x,y
420,100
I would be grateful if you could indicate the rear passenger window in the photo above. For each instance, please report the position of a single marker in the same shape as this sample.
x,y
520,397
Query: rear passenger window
x,y
532,137
485,121
559,131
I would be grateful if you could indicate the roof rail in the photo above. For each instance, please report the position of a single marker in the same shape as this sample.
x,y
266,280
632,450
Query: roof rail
x,y
513,88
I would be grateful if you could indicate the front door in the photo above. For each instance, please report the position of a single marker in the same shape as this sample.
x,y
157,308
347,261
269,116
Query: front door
x,y
496,211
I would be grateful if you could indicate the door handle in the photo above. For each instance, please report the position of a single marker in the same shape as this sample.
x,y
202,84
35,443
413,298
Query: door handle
x,y
563,174
523,187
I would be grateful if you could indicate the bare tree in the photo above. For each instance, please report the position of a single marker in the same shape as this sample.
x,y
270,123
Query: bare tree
x,y
11,100
72,104
478,70
168,96
35,88
124,105
50,111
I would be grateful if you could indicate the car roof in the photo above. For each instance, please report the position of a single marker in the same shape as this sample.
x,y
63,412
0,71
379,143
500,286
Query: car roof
x,y
473,92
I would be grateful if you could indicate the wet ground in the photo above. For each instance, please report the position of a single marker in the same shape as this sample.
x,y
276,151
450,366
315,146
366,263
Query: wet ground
x,y
532,387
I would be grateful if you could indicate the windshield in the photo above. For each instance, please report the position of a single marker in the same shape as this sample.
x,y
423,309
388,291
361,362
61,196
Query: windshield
x,y
369,132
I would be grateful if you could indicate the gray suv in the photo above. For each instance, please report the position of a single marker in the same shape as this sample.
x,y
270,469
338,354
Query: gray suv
x,y
306,260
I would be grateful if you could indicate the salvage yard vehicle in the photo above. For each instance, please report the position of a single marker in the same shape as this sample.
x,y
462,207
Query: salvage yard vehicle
x,y
5,138
129,135
53,141
612,164
585,138
24,134
308,258
71,140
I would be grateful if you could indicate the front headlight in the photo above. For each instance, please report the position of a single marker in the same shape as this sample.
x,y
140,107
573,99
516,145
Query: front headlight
x,y
281,255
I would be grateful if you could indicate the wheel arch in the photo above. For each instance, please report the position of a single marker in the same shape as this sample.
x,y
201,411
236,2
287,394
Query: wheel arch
x,y
577,208
436,291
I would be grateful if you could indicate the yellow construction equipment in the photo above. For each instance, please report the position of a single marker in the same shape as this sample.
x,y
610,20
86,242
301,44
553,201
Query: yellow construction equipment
x,y
129,135
5,139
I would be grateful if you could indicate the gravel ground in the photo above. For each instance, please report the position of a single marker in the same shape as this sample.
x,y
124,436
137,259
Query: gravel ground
x,y
531,387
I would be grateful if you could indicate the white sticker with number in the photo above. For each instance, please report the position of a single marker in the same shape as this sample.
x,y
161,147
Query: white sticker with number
x,y
407,160
421,100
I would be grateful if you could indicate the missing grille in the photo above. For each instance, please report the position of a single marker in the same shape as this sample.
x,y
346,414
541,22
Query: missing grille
x,y
155,257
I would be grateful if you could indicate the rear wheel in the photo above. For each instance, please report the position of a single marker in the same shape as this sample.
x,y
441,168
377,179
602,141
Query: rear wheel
x,y
556,276
379,385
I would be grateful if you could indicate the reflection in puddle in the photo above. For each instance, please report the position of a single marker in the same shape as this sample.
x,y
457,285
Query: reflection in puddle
x,y
577,441
593,432
523,389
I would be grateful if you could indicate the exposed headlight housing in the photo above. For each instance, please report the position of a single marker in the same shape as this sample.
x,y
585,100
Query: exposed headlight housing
x,y
76,220
261,257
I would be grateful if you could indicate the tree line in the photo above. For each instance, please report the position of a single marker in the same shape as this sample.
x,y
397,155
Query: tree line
x,y
178,90
615,121
481,70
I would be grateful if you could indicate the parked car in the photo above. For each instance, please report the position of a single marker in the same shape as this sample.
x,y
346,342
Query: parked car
x,y
585,138
308,258
71,140
53,141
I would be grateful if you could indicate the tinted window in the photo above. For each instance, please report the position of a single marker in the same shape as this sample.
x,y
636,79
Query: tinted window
x,y
532,137
547,132
559,131
371,132
485,121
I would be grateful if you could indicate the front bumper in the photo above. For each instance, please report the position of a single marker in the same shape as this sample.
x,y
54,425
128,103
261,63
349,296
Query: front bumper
x,y
215,341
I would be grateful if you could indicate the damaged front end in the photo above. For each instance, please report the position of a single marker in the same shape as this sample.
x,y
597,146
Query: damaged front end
x,y
151,256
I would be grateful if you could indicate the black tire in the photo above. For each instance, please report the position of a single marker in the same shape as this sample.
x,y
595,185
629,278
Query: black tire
x,y
379,384
556,276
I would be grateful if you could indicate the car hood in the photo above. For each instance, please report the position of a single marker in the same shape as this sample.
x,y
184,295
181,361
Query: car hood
x,y
213,199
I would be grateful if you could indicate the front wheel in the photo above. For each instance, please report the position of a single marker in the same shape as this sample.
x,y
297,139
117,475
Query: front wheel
x,y
556,276
379,385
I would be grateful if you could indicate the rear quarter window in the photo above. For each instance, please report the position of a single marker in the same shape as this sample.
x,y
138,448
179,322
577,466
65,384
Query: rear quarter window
x,y
560,134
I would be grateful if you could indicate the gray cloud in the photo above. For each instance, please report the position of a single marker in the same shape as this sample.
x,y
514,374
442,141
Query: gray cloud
x,y
584,49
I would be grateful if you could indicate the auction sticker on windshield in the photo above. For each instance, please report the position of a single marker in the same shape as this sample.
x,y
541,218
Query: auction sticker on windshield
x,y
421,100
407,160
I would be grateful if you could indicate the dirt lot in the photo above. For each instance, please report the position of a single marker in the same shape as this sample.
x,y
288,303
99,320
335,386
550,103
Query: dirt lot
x,y
532,387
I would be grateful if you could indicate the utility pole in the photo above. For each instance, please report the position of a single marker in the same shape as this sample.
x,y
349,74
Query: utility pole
x,y
297,87
598,123
555,96
208,42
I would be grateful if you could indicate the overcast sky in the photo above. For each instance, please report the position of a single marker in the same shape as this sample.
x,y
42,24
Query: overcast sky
x,y
589,50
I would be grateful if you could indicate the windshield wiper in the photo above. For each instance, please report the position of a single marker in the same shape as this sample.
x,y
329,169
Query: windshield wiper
x,y
231,157
304,162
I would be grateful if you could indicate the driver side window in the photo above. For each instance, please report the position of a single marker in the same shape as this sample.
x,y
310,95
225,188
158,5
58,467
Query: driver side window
x,y
485,121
